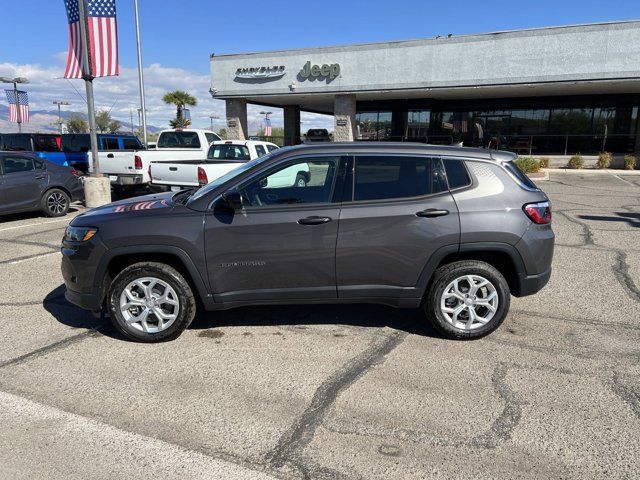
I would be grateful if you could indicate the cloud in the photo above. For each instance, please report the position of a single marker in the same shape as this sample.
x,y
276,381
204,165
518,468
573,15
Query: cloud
x,y
120,95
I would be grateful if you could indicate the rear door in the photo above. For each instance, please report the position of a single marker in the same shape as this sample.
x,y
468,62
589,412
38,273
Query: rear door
x,y
22,182
400,214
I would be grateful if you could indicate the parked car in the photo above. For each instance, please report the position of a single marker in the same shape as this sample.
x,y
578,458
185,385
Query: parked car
x,y
76,146
223,156
317,135
454,231
44,145
130,170
30,183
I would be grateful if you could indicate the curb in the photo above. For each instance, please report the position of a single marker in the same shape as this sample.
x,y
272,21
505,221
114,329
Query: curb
x,y
592,171
539,176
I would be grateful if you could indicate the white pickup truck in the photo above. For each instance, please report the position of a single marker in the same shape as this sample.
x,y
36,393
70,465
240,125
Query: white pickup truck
x,y
131,169
223,156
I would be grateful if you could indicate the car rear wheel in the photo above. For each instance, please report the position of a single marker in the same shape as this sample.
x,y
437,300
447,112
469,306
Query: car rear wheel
x,y
467,299
55,203
151,302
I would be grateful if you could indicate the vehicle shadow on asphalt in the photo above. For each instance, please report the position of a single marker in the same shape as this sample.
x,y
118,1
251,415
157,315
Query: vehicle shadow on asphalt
x,y
301,316
14,217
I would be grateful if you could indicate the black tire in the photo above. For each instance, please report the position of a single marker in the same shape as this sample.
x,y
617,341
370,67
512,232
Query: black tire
x,y
301,180
55,203
447,274
124,192
185,298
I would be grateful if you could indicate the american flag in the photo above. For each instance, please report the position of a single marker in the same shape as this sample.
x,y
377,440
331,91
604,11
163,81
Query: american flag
x,y
23,100
267,127
103,39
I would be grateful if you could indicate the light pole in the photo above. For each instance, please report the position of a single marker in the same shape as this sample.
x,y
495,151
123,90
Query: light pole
x,y
59,103
213,117
143,107
15,82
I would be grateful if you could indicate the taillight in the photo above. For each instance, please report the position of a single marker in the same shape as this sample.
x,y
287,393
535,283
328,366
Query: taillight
x,y
202,177
75,173
149,172
138,162
539,213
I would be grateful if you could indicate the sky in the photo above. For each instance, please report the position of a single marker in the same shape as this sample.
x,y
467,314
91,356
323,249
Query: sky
x,y
178,37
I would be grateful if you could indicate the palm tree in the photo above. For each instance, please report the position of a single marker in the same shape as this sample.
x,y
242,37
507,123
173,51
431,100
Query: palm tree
x,y
179,98
180,123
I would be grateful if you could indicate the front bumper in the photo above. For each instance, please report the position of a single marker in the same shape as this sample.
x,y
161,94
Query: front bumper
x,y
79,268
87,301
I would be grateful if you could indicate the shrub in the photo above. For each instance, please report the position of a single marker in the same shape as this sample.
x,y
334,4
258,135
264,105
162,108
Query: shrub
x,y
528,164
544,162
576,162
604,160
630,162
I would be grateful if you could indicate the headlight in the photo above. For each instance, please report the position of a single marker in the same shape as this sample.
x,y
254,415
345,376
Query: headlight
x,y
79,234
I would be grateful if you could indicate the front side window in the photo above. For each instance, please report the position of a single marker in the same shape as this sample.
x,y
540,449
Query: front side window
x,y
46,143
76,142
211,137
229,152
178,140
386,177
17,142
299,182
17,165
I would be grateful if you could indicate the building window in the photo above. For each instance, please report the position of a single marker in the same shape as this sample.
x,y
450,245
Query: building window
x,y
418,122
373,125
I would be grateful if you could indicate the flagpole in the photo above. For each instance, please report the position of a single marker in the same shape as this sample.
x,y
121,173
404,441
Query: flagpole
x,y
88,82
18,113
140,76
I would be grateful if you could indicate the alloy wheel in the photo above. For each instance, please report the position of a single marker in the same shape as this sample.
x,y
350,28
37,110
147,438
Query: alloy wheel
x,y
56,203
469,302
149,305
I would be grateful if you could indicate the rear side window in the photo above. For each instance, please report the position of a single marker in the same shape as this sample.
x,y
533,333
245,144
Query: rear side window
x,y
17,164
211,137
519,174
16,142
131,144
232,153
457,174
271,148
110,144
260,150
383,177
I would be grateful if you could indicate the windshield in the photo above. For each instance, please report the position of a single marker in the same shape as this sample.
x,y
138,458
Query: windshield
x,y
225,151
228,176
178,140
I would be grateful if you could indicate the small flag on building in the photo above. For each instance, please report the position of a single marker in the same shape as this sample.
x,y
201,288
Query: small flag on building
x,y
267,127
23,101
102,35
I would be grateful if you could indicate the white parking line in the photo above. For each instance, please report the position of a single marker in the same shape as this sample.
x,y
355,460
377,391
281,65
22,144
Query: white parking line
x,y
35,224
37,257
625,181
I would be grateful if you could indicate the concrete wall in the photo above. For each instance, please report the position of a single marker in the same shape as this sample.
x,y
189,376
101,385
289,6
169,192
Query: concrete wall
x,y
588,52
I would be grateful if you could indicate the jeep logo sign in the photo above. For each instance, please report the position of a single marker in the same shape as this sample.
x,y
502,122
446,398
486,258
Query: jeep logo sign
x,y
316,71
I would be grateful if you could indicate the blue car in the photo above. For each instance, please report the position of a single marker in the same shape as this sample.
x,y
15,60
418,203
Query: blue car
x,y
69,150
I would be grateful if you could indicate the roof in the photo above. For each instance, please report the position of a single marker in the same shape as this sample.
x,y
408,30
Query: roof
x,y
402,147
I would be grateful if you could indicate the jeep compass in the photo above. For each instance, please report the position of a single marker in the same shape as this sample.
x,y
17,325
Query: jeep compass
x,y
453,231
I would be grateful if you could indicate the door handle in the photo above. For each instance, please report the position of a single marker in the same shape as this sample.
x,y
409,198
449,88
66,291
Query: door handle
x,y
314,220
432,212
109,155
173,169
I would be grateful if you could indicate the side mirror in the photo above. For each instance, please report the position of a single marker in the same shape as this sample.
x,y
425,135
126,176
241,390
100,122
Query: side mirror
x,y
233,200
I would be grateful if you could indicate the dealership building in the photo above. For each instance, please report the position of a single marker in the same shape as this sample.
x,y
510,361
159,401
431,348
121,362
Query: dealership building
x,y
557,90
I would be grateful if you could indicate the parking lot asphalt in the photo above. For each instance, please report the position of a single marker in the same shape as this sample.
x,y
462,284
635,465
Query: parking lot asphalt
x,y
335,392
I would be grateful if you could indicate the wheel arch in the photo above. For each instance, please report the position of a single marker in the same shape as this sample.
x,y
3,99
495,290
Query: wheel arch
x,y
115,260
502,256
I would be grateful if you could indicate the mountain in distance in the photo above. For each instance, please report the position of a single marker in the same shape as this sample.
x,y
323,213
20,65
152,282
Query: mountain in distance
x,y
46,121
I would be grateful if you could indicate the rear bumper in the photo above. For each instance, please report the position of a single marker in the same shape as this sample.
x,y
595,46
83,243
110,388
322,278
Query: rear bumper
x,y
126,180
530,284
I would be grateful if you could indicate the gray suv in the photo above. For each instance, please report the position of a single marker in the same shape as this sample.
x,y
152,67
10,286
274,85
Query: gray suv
x,y
454,231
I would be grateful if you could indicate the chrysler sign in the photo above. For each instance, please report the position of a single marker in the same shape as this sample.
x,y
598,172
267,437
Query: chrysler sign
x,y
273,72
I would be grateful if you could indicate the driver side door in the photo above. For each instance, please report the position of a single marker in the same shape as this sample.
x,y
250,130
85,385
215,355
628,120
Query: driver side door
x,y
281,244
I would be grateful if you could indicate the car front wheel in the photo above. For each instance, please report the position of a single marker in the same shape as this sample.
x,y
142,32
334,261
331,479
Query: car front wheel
x,y
467,299
151,302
